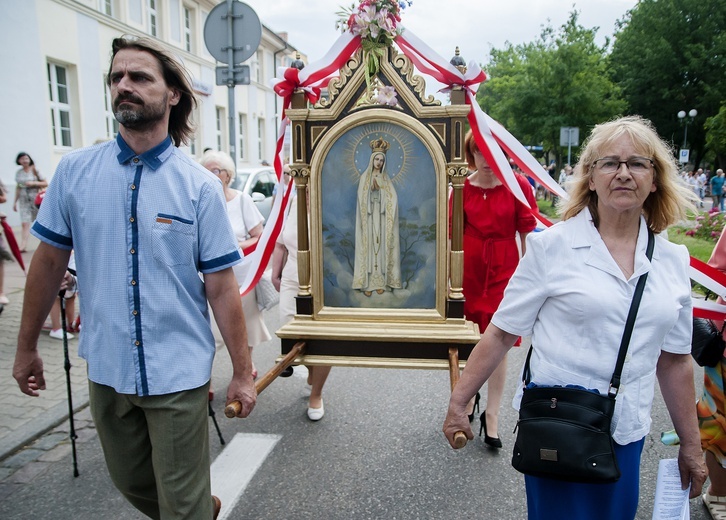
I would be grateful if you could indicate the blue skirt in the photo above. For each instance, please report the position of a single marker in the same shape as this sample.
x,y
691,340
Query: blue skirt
x,y
549,499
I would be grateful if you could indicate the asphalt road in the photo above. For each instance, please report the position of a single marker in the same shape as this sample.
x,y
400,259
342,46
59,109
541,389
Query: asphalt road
x,y
377,454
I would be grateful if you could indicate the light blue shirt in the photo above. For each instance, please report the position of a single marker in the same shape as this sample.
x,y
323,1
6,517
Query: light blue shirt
x,y
142,228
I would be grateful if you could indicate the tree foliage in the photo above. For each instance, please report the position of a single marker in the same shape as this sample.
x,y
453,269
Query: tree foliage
x,y
560,79
668,56
716,135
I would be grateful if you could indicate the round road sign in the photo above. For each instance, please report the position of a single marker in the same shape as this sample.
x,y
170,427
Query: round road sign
x,y
246,32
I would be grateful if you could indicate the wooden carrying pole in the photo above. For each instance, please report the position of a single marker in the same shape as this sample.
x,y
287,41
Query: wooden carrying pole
x,y
459,437
234,407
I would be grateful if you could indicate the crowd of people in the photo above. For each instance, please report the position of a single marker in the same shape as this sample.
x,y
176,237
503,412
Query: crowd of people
x,y
568,289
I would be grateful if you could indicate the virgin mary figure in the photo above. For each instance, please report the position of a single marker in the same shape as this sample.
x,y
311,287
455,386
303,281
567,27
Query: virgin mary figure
x,y
377,246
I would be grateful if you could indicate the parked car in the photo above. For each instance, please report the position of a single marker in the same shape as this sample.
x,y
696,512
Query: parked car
x,y
258,183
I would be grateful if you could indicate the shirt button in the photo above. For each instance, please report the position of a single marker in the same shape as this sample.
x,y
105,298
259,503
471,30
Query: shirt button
x,y
131,219
132,251
135,312
133,282
136,160
137,343
133,186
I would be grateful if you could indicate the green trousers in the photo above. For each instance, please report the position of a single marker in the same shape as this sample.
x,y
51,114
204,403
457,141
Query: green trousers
x,y
157,449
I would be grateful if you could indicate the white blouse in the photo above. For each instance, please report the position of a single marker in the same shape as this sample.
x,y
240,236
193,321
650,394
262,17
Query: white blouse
x,y
572,298
243,215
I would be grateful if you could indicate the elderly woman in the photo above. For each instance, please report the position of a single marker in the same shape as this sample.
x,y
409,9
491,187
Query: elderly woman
x,y
571,292
246,222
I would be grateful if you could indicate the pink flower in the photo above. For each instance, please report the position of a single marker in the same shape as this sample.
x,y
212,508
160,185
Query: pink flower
x,y
700,217
690,232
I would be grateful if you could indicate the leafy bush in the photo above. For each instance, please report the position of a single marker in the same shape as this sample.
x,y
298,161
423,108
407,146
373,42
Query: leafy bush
x,y
708,226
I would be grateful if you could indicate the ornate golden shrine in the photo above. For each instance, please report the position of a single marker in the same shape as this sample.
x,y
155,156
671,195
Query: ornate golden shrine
x,y
419,324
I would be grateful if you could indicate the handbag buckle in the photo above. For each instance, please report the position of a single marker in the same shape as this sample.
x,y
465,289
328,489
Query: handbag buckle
x,y
548,454
553,402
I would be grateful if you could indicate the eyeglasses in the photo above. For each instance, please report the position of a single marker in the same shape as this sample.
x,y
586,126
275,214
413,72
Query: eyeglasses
x,y
217,171
636,165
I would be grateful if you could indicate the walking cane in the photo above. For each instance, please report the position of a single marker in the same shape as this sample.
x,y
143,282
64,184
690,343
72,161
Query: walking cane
x,y
67,365
214,420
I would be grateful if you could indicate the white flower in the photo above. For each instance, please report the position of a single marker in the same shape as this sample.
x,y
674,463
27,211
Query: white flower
x,y
387,96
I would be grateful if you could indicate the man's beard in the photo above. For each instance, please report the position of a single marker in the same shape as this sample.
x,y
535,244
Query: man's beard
x,y
142,117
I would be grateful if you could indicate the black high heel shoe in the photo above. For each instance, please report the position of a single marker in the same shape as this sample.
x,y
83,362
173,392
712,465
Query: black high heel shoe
x,y
475,408
493,442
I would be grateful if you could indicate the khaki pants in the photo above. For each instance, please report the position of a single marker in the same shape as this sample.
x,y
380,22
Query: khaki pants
x,y
157,449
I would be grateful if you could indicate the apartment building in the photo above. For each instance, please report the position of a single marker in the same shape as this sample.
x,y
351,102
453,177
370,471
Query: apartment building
x,y
53,94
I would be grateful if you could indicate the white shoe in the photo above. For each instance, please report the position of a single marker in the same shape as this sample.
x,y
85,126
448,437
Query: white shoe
x,y
716,506
58,334
315,414
300,371
4,300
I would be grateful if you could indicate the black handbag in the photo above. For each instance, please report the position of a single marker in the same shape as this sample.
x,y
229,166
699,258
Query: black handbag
x,y
563,432
707,344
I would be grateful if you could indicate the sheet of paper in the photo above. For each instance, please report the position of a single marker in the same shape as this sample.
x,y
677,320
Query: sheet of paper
x,y
671,502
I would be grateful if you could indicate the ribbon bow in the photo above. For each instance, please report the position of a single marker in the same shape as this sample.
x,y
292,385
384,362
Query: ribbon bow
x,y
287,86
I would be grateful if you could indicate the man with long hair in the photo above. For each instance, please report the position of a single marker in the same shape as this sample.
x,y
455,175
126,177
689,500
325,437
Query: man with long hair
x,y
144,220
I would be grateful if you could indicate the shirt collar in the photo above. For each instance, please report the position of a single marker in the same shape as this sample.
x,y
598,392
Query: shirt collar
x,y
152,158
587,235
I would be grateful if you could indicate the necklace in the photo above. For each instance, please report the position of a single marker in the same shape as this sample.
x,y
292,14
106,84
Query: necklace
x,y
627,272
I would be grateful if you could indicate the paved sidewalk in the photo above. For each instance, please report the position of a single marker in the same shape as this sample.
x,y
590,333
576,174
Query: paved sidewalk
x,y
22,418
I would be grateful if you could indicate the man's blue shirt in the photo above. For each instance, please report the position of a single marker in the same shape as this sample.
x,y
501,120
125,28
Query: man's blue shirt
x,y
142,228
717,185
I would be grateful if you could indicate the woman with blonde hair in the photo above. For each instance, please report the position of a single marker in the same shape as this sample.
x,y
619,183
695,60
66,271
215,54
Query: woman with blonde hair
x,y
571,293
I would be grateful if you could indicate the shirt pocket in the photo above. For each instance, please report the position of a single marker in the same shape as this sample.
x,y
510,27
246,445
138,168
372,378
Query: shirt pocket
x,y
173,240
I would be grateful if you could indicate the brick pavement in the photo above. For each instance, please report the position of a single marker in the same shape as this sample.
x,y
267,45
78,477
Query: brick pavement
x,y
24,419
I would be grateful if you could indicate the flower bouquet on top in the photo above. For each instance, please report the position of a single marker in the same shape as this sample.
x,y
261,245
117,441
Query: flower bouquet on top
x,y
377,23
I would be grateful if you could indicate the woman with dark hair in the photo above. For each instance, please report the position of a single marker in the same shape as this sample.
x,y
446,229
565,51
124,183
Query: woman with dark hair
x,y
29,182
571,293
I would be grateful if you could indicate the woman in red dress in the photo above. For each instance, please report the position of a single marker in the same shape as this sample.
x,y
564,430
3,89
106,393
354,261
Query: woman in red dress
x,y
492,218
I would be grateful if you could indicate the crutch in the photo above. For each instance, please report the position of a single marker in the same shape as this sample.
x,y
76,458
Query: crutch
x,y
67,365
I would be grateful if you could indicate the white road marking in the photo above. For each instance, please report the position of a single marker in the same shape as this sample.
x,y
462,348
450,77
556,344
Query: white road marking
x,y
234,468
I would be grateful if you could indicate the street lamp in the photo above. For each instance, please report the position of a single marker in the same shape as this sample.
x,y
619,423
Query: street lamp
x,y
682,115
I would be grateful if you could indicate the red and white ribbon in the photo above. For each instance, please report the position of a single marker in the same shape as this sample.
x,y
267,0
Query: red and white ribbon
x,y
715,281
311,80
431,63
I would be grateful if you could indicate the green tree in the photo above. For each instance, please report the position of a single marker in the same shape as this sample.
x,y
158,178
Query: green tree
x,y
560,79
716,136
668,56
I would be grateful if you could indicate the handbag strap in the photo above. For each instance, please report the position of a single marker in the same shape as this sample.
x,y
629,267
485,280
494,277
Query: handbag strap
x,y
627,333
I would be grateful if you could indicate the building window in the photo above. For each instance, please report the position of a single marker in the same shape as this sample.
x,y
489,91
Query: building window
x,y
259,70
261,139
220,128
111,123
106,7
152,17
242,123
188,26
60,107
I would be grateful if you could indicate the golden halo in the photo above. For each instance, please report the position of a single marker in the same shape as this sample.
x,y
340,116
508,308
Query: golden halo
x,y
370,131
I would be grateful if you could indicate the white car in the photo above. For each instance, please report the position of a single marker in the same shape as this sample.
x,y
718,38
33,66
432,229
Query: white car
x,y
258,183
